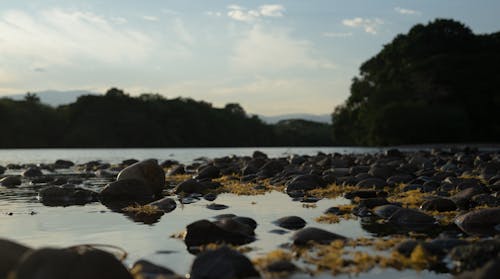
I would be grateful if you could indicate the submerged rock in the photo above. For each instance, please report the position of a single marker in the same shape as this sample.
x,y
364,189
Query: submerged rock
x,y
222,263
67,194
311,234
204,232
10,255
76,263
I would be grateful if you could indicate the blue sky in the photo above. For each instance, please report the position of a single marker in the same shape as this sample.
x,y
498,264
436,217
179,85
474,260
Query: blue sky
x,y
272,57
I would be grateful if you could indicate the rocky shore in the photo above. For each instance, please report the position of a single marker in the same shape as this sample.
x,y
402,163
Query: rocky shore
x,y
435,210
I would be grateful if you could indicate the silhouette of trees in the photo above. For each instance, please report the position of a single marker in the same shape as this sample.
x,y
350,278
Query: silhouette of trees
x,y
435,84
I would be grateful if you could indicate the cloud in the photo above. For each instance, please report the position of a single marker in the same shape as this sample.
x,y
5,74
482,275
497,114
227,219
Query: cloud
x,y
404,11
150,18
272,10
336,34
274,51
240,13
368,25
212,13
119,20
182,32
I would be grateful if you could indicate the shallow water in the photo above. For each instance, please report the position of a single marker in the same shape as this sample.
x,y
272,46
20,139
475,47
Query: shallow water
x,y
24,219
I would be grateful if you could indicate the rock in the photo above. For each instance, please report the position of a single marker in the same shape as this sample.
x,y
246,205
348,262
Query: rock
x,y
247,221
364,194
76,263
488,271
439,204
372,182
128,162
166,204
482,221
385,211
10,256
474,255
305,182
2,169
32,172
216,206
463,198
65,195
208,172
222,263
281,266
235,225
383,172
190,186
372,202
291,222
147,171
145,269
411,217
127,189
63,164
10,181
179,169
204,232
305,236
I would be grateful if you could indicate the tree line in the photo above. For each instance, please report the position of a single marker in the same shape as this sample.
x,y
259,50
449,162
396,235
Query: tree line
x,y
116,119
437,83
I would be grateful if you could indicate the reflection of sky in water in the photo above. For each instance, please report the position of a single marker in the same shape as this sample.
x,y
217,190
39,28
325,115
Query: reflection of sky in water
x,y
94,223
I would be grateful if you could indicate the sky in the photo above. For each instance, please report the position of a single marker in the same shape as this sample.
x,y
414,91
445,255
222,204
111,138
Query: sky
x,y
272,57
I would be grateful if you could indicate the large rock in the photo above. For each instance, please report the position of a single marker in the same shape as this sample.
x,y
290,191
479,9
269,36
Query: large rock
x,y
482,221
147,171
67,194
411,217
83,263
291,222
223,263
10,181
305,182
127,189
203,232
10,255
307,235
439,204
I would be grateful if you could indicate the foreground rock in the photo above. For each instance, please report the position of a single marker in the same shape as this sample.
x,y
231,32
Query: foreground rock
x,y
76,263
482,221
139,182
144,269
223,263
224,231
308,235
10,255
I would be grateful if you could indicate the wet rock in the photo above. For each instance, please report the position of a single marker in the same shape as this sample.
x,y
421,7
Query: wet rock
x,y
32,172
77,263
385,211
305,182
247,221
42,180
10,256
485,200
216,206
210,197
279,231
482,221
488,271
475,255
67,194
166,204
281,266
305,236
146,270
372,202
235,225
439,204
463,198
222,263
204,232
364,194
290,222
179,169
10,181
383,172
411,217
127,189
63,164
147,171
372,182
2,169
208,172
190,186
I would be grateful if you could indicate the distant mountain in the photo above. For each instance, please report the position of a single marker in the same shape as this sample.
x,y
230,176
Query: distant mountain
x,y
55,97
322,118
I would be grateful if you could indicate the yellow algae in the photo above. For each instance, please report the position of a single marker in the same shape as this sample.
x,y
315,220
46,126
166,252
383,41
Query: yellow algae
x,y
444,218
179,235
412,199
235,186
273,256
328,218
143,209
309,205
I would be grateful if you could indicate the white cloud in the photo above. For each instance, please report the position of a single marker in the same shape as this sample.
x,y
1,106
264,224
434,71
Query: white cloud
x,y
150,18
274,51
240,13
336,34
368,25
272,10
404,11
119,20
212,13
